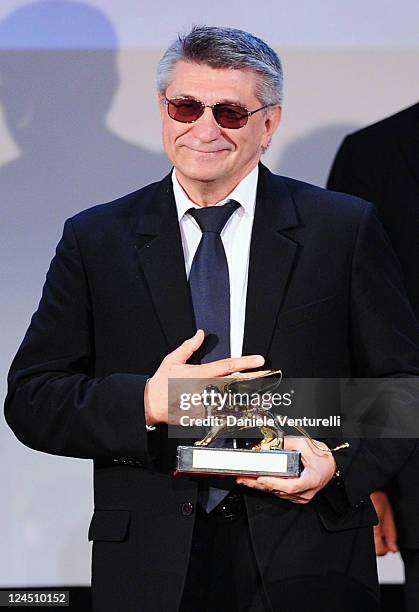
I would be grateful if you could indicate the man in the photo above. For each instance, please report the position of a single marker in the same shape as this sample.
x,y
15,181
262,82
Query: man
x,y
295,279
381,163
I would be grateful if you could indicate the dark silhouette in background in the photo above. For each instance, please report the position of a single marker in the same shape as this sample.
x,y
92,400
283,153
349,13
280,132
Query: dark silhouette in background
x,y
381,163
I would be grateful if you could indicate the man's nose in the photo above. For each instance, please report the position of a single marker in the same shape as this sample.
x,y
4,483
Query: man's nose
x,y
206,128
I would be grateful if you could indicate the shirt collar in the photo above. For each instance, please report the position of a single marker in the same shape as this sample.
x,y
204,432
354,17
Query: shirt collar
x,y
244,193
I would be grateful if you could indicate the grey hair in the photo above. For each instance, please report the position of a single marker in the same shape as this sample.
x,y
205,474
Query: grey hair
x,y
226,48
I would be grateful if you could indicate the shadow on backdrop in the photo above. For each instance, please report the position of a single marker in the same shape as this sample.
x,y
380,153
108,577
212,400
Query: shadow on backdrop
x,y
309,158
55,101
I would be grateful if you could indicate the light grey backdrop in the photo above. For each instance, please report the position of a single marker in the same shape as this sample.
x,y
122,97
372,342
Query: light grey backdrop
x,y
79,126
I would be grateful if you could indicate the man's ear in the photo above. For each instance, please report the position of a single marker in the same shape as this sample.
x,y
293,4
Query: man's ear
x,y
273,119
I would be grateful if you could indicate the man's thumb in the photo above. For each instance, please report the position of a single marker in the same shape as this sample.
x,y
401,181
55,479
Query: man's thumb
x,y
187,348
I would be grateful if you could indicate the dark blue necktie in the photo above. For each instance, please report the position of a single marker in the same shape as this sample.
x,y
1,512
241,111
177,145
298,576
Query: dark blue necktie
x,y
209,281
210,290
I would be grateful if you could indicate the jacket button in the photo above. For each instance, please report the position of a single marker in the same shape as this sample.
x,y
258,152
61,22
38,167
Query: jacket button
x,y
187,508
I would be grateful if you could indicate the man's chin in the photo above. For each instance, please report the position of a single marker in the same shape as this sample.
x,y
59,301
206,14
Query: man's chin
x,y
201,173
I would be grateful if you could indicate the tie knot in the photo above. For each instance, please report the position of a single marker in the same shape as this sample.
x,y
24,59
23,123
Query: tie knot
x,y
213,218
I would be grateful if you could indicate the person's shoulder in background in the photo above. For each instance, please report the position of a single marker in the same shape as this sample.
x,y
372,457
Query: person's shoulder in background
x,y
392,127
365,155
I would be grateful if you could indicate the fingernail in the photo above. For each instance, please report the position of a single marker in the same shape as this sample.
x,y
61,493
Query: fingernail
x,y
260,360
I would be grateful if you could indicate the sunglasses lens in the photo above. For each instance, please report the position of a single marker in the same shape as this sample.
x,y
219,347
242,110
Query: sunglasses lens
x,y
185,111
230,116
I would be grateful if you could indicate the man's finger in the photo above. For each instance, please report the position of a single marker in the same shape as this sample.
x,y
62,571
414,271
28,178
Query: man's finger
x,y
252,483
389,532
247,375
380,547
289,486
255,483
224,367
306,482
186,349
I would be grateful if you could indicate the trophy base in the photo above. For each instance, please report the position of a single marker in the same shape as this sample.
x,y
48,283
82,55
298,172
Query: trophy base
x,y
209,461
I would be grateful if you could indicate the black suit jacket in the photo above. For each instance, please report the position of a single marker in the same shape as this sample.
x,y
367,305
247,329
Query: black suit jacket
x,y
116,301
381,163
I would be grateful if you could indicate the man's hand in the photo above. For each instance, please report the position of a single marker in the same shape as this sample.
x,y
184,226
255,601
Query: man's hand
x,y
385,533
318,469
174,366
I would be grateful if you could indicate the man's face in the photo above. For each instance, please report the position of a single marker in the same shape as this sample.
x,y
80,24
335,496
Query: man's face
x,y
204,151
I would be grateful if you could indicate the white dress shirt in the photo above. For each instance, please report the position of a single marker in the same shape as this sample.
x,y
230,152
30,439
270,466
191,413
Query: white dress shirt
x,y
235,235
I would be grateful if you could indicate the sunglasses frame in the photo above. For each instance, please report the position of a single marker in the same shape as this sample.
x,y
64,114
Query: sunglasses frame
x,y
246,115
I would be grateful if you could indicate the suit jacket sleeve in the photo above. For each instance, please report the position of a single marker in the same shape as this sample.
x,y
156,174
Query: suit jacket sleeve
x,y
55,403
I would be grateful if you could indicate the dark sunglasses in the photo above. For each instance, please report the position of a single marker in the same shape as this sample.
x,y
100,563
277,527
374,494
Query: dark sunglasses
x,y
231,116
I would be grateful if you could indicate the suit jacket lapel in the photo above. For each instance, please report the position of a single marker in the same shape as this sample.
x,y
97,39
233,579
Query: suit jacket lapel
x,y
272,256
160,256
